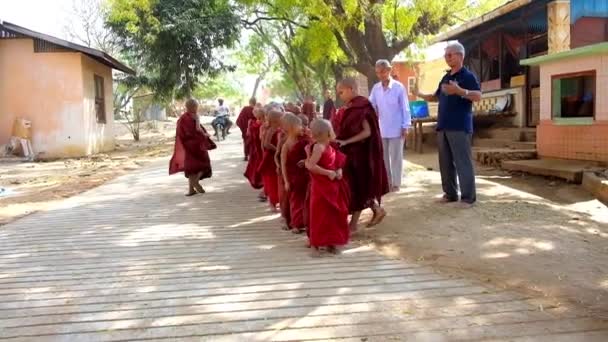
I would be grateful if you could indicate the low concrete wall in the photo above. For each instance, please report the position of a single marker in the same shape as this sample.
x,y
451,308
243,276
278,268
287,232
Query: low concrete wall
x,y
597,186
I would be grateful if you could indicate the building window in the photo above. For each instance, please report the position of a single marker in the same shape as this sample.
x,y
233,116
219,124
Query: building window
x,y
411,84
573,95
100,100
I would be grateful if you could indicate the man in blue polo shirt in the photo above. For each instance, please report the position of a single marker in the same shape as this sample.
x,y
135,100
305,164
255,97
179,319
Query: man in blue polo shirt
x,y
456,93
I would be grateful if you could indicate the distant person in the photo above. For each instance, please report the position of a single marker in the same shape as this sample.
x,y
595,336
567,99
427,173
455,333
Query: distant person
x,y
389,98
329,108
308,108
191,151
242,122
223,112
457,91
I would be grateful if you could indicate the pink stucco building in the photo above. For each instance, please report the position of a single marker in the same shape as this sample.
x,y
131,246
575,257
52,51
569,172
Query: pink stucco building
x,y
574,103
64,89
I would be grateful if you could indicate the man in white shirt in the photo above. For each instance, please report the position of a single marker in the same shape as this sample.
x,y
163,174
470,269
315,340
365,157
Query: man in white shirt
x,y
223,111
389,98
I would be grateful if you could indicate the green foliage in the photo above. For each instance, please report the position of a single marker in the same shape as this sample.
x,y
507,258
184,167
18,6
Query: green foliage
x,y
226,86
175,41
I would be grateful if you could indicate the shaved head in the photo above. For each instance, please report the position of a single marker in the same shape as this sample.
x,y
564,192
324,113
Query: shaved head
x,y
275,115
347,89
192,106
304,120
253,101
322,128
292,120
349,82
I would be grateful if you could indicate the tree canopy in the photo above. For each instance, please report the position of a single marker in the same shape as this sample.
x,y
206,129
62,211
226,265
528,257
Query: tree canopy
x,y
175,40
356,33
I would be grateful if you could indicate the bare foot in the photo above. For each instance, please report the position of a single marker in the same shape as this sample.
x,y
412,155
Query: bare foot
x,y
444,200
191,192
273,209
463,205
380,215
286,227
315,252
334,250
199,189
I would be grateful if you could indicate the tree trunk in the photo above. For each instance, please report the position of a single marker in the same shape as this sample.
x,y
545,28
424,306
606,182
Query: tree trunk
x,y
258,80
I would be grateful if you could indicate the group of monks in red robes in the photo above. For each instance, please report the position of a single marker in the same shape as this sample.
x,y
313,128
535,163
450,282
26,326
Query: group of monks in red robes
x,y
317,174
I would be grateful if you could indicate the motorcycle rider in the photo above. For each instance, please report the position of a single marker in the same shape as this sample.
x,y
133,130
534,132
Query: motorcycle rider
x,y
222,112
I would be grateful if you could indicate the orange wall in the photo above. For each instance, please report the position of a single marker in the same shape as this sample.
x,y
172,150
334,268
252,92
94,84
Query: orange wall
x,y
45,88
588,142
56,92
403,72
99,137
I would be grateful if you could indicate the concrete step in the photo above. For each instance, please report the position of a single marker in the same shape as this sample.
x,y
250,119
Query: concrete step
x,y
496,156
523,145
493,143
569,170
510,133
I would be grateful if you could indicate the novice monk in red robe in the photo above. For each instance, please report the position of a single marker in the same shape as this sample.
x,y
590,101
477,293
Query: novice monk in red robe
x,y
190,155
283,195
242,122
329,192
308,108
358,135
255,150
295,176
268,168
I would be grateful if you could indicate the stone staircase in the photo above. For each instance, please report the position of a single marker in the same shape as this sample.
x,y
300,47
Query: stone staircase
x,y
494,145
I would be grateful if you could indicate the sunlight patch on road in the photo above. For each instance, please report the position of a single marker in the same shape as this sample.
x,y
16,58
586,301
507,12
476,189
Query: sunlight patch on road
x,y
166,232
498,255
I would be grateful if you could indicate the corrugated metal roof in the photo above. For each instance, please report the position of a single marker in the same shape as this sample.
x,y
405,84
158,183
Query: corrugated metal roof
x,y
12,30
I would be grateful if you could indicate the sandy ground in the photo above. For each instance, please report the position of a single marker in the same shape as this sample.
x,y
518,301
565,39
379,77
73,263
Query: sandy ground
x,y
528,233
37,186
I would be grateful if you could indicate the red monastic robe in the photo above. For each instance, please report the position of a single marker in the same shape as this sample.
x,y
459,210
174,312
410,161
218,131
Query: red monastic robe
x,y
268,170
242,122
299,180
329,203
283,195
365,170
308,109
190,154
255,155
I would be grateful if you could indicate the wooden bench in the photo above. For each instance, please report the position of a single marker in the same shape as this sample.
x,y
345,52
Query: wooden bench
x,y
417,124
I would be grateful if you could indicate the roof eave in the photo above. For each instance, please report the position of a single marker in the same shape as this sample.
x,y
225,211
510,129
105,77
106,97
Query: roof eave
x,y
584,51
500,11
101,56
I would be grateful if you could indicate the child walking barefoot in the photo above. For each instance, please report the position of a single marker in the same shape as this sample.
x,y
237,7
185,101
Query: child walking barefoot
x,y
329,192
295,176
268,168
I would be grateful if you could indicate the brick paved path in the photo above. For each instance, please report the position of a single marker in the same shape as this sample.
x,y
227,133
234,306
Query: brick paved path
x,y
136,260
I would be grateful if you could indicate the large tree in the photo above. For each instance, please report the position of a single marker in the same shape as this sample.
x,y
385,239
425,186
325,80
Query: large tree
x,y
367,30
176,40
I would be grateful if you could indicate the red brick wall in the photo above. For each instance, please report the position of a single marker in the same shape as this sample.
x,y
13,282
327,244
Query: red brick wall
x,y
402,71
587,31
573,142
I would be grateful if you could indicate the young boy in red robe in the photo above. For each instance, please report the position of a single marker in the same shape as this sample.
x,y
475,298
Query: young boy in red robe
x,y
242,122
192,143
295,176
255,149
268,168
329,192
283,195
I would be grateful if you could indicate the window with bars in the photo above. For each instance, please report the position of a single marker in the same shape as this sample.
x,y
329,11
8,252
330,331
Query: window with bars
x,y
100,106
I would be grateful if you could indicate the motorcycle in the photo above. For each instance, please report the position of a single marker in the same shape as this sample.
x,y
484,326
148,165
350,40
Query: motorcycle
x,y
220,125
